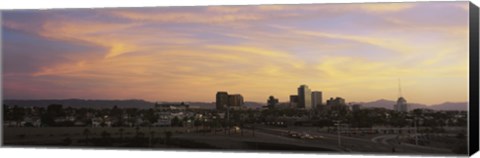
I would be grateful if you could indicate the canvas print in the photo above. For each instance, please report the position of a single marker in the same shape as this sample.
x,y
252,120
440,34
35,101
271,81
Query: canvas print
x,y
378,78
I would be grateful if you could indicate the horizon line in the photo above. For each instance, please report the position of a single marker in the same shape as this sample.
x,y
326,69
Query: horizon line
x,y
350,102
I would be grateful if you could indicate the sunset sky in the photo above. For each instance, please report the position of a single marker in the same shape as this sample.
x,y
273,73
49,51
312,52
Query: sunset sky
x,y
355,51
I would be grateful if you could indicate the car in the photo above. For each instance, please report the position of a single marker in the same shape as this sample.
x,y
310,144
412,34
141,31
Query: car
x,y
294,135
318,137
306,136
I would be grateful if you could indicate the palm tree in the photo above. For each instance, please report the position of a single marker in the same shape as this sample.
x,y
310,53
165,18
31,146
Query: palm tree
x,y
86,132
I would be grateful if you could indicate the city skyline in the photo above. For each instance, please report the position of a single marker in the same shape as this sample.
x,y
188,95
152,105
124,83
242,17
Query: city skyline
x,y
214,100
190,53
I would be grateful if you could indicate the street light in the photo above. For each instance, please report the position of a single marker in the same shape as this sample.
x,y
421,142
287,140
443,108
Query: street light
x,y
214,125
415,126
416,135
204,121
226,120
338,133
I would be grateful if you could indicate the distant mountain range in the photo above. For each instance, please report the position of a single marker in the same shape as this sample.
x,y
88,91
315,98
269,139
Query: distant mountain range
x,y
388,104
142,104
131,103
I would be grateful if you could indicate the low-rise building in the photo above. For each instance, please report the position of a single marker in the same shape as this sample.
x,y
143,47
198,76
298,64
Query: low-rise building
x,y
171,106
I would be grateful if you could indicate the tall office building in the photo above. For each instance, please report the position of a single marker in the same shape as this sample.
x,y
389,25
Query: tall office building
x,y
337,104
235,100
356,107
304,97
293,101
401,105
336,101
221,100
316,99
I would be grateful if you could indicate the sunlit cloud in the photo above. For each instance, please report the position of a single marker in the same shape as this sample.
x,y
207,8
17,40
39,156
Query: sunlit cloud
x,y
254,51
186,17
356,51
389,43
386,7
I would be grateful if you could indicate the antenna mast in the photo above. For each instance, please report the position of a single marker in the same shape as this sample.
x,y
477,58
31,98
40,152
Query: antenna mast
x,y
399,88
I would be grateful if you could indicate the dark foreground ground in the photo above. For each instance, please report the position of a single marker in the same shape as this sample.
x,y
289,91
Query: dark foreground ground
x,y
179,138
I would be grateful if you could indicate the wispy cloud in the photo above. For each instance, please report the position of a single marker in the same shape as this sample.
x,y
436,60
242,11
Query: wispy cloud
x,y
356,51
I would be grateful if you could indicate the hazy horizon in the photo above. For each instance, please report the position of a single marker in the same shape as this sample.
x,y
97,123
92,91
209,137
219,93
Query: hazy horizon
x,y
213,101
354,51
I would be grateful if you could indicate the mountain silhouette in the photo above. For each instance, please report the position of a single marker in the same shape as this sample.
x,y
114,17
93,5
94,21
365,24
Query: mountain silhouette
x,y
142,104
388,104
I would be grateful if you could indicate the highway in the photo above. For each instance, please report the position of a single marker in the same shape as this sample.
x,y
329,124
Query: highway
x,y
272,137
378,144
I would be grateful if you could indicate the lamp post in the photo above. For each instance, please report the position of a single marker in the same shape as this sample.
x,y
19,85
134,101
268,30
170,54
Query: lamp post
x,y
415,131
338,133
214,125
415,124
204,130
253,130
225,116
228,119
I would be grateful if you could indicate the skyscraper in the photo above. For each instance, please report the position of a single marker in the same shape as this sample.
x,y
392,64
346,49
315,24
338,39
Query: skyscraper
x,y
316,99
304,97
336,101
356,107
401,105
293,101
221,100
337,104
235,100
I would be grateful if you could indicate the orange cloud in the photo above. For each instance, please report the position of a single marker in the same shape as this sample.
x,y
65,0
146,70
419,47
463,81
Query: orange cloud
x,y
256,51
252,50
187,17
225,9
385,7
62,69
392,43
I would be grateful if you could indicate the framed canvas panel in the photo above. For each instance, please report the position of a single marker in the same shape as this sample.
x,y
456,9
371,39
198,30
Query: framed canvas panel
x,y
358,78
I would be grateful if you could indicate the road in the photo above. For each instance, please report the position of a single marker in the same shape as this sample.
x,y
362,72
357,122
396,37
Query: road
x,y
236,141
379,144
262,134
390,140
